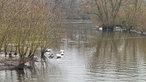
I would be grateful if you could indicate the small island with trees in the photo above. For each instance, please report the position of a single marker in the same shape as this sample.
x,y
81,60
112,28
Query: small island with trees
x,y
127,15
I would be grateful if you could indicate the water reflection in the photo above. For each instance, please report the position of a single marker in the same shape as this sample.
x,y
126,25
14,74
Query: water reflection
x,y
111,57
118,58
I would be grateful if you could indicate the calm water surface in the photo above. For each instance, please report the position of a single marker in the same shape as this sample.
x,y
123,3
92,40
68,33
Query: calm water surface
x,y
108,57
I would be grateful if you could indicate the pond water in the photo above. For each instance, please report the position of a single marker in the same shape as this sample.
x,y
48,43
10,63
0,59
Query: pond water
x,y
106,57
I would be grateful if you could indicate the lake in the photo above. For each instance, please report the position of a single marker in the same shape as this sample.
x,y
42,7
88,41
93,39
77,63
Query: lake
x,y
90,56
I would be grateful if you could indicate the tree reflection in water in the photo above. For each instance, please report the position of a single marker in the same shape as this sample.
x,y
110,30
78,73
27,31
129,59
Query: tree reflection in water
x,y
118,55
111,57
39,73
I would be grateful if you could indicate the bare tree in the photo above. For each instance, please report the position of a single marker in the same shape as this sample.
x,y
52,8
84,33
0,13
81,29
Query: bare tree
x,y
27,25
114,12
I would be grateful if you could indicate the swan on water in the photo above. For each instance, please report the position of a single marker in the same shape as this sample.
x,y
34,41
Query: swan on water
x,y
60,55
49,53
62,52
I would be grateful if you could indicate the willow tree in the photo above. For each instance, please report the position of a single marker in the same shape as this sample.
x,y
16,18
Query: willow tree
x,y
26,26
106,11
131,12
114,12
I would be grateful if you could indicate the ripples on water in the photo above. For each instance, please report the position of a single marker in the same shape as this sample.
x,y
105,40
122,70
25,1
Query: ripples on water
x,y
108,60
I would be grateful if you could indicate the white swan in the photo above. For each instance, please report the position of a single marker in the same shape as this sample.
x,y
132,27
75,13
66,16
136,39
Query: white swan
x,y
60,55
49,53
48,50
62,52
